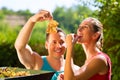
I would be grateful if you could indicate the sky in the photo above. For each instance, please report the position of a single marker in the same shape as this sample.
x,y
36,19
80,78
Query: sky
x,y
35,5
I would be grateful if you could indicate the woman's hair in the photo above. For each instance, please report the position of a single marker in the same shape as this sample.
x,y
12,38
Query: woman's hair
x,y
58,30
97,27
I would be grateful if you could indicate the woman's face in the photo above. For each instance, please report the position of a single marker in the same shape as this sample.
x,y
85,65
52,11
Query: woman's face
x,y
56,44
85,32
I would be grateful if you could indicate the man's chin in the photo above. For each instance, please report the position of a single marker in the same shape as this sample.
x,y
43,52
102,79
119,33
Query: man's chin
x,y
58,56
58,53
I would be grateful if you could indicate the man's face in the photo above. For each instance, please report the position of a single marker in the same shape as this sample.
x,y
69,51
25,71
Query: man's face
x,y
56,45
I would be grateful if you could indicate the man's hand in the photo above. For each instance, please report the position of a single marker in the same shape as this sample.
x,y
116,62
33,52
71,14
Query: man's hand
x,y
42,15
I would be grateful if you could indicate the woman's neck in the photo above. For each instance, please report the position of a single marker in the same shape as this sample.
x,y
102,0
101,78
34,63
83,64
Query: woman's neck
x,y
90,50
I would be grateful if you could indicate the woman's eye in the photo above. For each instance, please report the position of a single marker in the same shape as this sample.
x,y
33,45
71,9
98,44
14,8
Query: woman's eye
x,y
82,28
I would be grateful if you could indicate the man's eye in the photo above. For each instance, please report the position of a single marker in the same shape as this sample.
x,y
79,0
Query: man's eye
x,y
62,42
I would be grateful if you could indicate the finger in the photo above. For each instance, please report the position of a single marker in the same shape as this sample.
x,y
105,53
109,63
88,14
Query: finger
x,y
46,14
69,38
62,76
75,40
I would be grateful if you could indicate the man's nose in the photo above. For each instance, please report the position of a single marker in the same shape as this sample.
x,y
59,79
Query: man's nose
x,y
58,45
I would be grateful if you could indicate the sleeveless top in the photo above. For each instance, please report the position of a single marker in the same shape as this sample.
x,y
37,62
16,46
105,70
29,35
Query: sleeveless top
x,y
106,76
46,66
56,74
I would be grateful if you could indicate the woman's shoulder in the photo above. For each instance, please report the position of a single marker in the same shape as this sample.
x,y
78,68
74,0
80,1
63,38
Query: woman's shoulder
x,y
100,57
99,61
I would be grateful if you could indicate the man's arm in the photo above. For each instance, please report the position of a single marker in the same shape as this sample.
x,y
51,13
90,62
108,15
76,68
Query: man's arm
x,y
27,57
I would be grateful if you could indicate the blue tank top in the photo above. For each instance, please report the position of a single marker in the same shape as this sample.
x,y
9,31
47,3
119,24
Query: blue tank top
x,y
46,66
56,74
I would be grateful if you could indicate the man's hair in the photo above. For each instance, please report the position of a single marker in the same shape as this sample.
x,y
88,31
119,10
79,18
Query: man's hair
x,y
58,30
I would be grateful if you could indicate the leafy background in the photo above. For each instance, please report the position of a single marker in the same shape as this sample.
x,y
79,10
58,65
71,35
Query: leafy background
x,y
107,13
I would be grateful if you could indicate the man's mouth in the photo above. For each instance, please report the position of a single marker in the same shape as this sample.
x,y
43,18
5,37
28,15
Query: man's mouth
x,y
58,51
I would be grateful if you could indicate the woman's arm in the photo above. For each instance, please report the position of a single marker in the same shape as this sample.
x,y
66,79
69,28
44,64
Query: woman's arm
x,y
68,74
97,65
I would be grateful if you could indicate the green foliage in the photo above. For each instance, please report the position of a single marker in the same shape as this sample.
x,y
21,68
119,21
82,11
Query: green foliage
x,y
79,55
70,18
39,33
112,47
37,40
25,13
8,35
108,14
110,17
8,56
1,15
4,11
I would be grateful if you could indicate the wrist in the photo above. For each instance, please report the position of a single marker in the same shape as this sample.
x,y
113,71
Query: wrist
x,y
33,19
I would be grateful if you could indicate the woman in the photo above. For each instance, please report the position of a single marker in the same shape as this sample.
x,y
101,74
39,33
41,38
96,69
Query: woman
x,y
97,65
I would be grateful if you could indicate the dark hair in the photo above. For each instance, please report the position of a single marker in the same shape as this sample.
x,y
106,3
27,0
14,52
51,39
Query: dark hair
x,y
58,30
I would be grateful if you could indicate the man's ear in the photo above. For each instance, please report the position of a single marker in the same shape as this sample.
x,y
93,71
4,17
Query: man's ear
x,y
46,45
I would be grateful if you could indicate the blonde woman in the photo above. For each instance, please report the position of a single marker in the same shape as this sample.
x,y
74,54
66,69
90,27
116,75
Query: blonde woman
x,y
97,65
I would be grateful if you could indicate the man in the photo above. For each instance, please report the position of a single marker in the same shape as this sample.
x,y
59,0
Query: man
x,y
55,44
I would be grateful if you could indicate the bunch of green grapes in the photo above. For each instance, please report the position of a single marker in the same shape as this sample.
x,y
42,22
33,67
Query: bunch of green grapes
x,y
8,72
